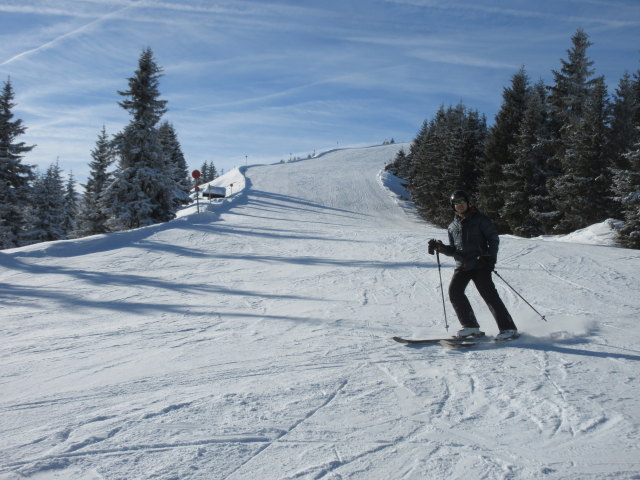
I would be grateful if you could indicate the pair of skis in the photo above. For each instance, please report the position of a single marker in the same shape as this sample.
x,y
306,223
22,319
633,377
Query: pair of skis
x,y
451,342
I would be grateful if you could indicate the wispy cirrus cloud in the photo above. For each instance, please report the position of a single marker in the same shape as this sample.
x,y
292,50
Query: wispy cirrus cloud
x,y
55,41
455,58
620,15
452,51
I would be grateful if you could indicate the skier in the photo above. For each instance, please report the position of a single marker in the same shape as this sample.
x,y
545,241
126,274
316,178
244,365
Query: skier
x,y
473,243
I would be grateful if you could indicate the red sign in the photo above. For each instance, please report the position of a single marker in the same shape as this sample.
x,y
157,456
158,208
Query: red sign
x,y
196,174
197,189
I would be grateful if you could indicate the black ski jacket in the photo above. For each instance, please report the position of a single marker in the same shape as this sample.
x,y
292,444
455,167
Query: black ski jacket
x,y
471,237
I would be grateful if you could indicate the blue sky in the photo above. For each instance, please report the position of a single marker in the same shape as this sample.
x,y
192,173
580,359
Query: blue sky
x,y
258,81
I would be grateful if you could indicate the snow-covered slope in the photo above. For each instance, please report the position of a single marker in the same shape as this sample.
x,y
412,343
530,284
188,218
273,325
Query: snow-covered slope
x,y
255,343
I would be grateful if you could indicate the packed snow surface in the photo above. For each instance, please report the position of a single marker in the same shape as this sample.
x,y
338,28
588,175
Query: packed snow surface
x,y
252,340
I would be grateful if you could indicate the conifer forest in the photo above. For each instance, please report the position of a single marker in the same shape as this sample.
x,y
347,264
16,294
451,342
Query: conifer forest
x,y
558,157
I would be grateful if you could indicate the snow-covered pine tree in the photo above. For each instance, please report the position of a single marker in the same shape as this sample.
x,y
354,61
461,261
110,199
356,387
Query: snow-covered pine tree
x,y
143,190
599,157
91,218
204,172
572,85
625,109
47,213
627,188
498,150
580,150
175,162
627,178
70,207
15,177
407,165
447,156
472,130
582,192
208,172
400,165
424,157
213,172
636,89
526,199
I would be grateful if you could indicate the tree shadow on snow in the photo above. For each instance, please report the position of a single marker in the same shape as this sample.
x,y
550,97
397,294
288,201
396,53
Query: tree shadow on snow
x,y
278,202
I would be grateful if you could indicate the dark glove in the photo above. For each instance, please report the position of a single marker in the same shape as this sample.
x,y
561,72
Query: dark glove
x,y
435,245
488,261
432,246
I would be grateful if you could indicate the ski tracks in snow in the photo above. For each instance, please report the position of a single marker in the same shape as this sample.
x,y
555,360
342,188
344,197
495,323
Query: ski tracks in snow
x,y
487,415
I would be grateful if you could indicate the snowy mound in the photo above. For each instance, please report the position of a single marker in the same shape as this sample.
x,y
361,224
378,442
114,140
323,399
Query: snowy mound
x,y
398,192
603,233
394,184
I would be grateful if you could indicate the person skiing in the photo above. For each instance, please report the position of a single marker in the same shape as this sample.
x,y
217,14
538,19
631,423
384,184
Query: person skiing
x,y
473,243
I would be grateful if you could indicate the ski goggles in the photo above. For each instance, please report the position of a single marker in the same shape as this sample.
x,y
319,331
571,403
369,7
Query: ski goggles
x,y
458,201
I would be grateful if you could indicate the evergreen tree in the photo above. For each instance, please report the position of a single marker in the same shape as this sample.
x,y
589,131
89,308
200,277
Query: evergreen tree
x,y
582,192
627,174
425,156
526,197
142,99
70,207
204,173
213,172
636,89
92,217
143,190
625,109
208,172
447,156
400,165
15,177
498,152
569,93
47,213
579,112
572,84
627,187
176,163
406,165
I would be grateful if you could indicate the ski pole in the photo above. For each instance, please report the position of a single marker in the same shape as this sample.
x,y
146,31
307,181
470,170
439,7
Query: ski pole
x,y
525,301
446,324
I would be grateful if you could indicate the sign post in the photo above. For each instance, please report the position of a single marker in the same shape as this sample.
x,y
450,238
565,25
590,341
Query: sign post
x,y
196,175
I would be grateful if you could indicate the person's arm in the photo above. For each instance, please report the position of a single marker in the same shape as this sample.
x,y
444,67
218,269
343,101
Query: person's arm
x,y
490,233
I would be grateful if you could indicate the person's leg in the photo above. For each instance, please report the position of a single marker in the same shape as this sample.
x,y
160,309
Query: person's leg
x,y
459,300
487,289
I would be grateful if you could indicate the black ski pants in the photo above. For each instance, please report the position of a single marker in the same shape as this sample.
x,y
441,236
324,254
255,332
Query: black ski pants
x,y
484,283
